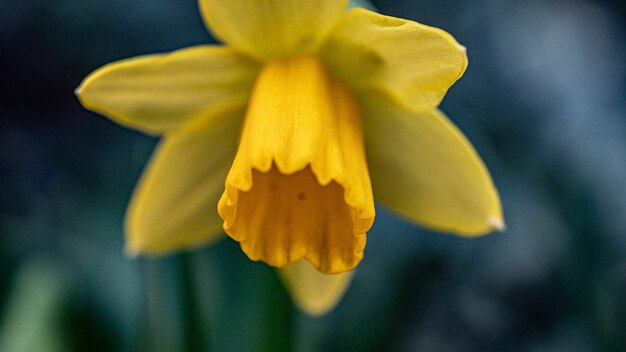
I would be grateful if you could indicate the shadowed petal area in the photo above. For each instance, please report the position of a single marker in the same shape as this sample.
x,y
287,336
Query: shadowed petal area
x,y
272,28
412,63
174,205
313,292
425,169
158,93
299,186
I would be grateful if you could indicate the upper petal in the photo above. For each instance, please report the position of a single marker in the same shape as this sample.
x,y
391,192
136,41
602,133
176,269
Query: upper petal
x,y
423,167
412,63
272,28
157,93
175,203
313,292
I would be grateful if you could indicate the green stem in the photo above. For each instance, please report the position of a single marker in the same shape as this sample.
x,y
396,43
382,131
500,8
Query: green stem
x,y
162,333
191,320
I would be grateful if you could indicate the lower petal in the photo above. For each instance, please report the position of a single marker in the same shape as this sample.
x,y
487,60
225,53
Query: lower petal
x,y
313,292
424,168
299,186
174,204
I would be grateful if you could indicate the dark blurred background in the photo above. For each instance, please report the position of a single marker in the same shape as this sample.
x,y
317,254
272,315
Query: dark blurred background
x,y
543,101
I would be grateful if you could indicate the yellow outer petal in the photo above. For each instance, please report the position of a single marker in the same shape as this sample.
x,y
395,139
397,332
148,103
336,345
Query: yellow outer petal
x,y
425,169
412,63
302,144
272,28
313,292
158,93
174,205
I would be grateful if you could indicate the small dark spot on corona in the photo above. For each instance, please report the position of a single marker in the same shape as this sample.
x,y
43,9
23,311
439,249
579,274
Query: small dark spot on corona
x,y
301,196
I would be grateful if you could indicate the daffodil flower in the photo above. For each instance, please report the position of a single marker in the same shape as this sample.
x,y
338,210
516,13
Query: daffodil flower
x,y
283,137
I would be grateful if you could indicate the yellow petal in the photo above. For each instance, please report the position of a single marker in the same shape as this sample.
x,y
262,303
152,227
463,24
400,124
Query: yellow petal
x,y
313,292
157,93
175,203
272,28
425,169
302,144
412,63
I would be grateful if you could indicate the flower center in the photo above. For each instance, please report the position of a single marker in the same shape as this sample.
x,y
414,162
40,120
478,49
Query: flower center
x,y
299,186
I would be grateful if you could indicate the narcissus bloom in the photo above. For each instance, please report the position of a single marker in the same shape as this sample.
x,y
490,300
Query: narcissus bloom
x,y
283,137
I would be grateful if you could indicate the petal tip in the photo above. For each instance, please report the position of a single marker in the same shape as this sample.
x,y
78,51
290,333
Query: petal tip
x,y
132,252
317,311
79,92
314,293
496,223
